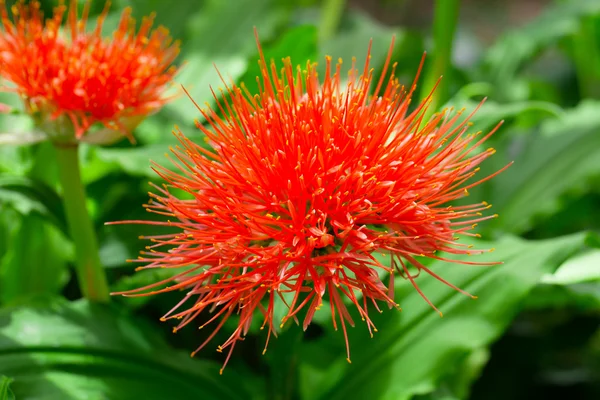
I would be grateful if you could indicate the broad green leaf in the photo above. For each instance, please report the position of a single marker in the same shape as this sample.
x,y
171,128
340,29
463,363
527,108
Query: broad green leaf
x,y
134,161
5,392
352,41
562,157
299,43
140,279
72,351
414,349
582,268
490,113
518,46
36,261
583,297
220,36
29,196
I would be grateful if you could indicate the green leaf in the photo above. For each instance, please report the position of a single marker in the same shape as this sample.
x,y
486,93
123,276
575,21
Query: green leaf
x,y
414,349
5,392
29,196
352,40
582,297
516,47
71,351
221,36
491,113
299,43
582,268
562,157
134,161
36,261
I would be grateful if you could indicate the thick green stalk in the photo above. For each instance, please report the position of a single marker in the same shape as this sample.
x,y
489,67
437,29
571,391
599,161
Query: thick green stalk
x,y
444,27
331,14
586,55
90,273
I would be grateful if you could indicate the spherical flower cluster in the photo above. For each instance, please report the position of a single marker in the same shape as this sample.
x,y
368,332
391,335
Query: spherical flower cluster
x,y
299,188
72,79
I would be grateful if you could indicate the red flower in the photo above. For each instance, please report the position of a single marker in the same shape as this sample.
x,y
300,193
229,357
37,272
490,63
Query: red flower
x,y
304,183
79,74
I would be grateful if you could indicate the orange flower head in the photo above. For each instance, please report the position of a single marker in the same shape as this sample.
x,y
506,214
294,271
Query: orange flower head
x,y
303,184
72,79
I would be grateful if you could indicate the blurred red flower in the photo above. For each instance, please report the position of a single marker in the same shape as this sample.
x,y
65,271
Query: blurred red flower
x,y
301,186
80,75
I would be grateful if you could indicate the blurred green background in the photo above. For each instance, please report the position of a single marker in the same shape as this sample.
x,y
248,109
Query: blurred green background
x,y
532,334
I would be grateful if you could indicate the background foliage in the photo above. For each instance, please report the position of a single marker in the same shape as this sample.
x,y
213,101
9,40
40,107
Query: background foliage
x,y
533,332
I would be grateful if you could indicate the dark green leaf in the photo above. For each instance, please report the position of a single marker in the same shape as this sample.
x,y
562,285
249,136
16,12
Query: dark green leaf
x,y
517,46
28,196
300,44
73,351
415,349
352,41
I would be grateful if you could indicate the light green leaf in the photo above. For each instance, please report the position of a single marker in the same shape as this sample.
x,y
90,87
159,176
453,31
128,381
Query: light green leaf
x,y
36,261
71,351
582,268
5,392
414,349
221,36
562,157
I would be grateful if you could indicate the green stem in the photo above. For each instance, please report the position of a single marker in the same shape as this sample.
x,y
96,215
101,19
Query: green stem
x,y
331,14
90,273
586,55
444,27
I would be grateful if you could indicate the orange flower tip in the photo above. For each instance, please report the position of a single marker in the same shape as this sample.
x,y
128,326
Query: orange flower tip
x,y
219,349
175,330
470,246
264,352
163,319
221,371
477,235
138,269
474,297
471,124
474,226
281,326
495,216
348,359
441,314
492,249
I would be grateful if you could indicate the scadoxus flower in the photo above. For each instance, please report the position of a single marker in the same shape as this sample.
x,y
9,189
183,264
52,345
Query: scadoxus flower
x,y
301,185
73,78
